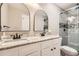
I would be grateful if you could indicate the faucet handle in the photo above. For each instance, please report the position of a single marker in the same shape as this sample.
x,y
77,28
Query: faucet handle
x,y
13,36
21,34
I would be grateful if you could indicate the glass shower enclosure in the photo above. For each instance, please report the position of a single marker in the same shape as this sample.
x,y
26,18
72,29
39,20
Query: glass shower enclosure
x,y
69,27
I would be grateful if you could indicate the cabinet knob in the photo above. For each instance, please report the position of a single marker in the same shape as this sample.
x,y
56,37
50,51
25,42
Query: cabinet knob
x,y
51,49
54,47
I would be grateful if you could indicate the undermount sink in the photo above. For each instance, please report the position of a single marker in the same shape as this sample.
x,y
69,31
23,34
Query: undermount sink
x,y
11,40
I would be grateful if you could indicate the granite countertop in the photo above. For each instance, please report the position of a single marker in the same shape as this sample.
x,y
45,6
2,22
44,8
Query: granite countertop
x,y
25,41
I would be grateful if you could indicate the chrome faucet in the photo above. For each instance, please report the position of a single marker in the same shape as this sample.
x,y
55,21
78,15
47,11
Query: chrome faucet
x,y
16,36
43,33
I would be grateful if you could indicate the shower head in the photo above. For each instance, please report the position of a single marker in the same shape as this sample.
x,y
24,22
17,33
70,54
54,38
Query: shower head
x,y
77,6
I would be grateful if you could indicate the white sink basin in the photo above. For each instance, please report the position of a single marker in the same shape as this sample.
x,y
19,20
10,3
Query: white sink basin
x,y
13,42
10,41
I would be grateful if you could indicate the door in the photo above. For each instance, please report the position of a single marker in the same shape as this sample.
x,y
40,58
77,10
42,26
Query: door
x,y
29,49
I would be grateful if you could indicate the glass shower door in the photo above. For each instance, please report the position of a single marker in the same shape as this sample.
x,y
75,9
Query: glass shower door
x,y
73,28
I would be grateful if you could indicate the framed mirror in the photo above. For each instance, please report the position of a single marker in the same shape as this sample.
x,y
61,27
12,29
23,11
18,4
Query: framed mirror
x,y
15,17
40,21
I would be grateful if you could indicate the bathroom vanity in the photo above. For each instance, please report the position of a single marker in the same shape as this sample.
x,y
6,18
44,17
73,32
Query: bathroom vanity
x,y
32,46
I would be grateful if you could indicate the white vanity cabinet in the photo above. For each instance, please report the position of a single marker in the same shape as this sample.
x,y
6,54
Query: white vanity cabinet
x,y
9,52
50,47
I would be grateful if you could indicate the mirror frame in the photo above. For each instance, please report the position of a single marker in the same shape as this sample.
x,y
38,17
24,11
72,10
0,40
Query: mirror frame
x,y
0,15
34,20
16,30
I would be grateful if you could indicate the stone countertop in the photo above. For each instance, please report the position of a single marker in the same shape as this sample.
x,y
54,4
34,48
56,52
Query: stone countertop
x,y
25,41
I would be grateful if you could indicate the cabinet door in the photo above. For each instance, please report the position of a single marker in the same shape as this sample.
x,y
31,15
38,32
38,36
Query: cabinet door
x,y
28,49
51,51
51,47
56,43
55,50
9,52
46,52
36,53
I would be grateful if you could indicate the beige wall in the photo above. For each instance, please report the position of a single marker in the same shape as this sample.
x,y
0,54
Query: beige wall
x,y
53,15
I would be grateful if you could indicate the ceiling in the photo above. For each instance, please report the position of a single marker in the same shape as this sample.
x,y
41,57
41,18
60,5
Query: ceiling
x,y
65,6
62,6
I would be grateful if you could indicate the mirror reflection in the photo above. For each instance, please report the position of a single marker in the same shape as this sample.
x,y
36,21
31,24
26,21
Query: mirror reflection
x,y
14,17
41,21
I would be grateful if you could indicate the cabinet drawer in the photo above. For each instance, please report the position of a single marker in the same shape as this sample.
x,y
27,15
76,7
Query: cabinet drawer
x,y
10,52
48,43
28,49
55,41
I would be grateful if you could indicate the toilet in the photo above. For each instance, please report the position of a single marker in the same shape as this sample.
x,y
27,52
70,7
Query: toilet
x,y
68,51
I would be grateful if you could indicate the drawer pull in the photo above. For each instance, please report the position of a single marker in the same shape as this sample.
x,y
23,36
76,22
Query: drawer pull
x,y
51,49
